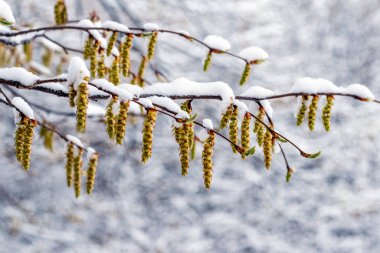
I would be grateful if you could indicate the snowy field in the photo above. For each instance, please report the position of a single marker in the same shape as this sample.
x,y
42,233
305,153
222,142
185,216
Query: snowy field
x,y
332,203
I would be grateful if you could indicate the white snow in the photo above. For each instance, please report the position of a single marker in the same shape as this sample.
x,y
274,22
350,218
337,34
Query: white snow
x,y
6,13
242,107
253,54
23,106
207,123
151,27
74,140
183,32
314,86
90,152
170,105
20,75
135,90
217,43
135,108
258,92
77,71
202,134
94,109
50,45
110,88
112,25
360,91
147,103
41,69
86,23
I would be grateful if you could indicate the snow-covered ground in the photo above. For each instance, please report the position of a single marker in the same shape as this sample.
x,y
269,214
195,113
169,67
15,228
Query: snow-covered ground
x,y
332,203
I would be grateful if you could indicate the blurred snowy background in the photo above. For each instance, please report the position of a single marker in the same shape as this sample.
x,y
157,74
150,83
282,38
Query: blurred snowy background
x,y
332,203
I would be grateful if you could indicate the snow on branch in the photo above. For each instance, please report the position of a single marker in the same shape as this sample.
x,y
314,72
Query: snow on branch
x,y
23,107
19,75
217,43
6,14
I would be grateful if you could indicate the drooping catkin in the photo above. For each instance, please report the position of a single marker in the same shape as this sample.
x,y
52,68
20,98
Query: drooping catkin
x,y
47,57
115,71
313,112
245,75
47,136
82,104
72,94
111,43
207,62
234,128
69,163
28,51
101,64
78,163
60,12
245,134
149,124
110,118
208,148
91,173
226,117
184,150
121,122
28,141
188,126
326,113
93,58
302,110
142,67
268,148
88,47
19,137
259,128
125,54
152,45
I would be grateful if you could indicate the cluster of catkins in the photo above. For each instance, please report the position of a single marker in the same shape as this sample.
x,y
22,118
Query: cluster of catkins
x,y
312,112
74,171
23,139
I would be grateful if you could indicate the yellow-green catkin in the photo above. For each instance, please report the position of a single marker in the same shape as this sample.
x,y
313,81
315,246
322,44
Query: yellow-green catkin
x,y
267,148
28,141
141,72
82,104
259,127
69,163
234,128
302,110
110,118
184,150
313,112
125,54
47,136
111,43
245,133
115,71
207,62
28,51
60,12
78,163
149,124
245,75
208,148
101,64
47,57
88,47
226,117
72,94
152,45
188,126
19,137
121,122
93,58
91,173
326,112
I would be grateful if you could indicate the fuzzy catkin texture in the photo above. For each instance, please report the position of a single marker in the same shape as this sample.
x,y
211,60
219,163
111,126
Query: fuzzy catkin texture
x,y
259,127
149,124
125,55
189,126
326,112
82,104
234,128
19,138
313,112
245,75
267,149
111,43
152,45
93,58
47,135
115,71
110,118
69,163
302,110
28,51
78,163
207,62
184,150
28,141
226,117
141,72
101,64
245,134
60,12
88,47
121,122
72,94
208,148
91,173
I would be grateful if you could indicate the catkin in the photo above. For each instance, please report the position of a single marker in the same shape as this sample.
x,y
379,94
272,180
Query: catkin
x,y
245,134
111,43
47,58
72,94
28,141
149,124
245,75
259,128
47,135
91,173
82,104
267,148
313,112
125,55
88,47
78,163
110,118
28,51
69,163
101,64
226,117
188,126
234,128
115,71
302,110
19,137
208,147
60,12
121,122
93,58
326,113
152,45
207,62
142,67
184,150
